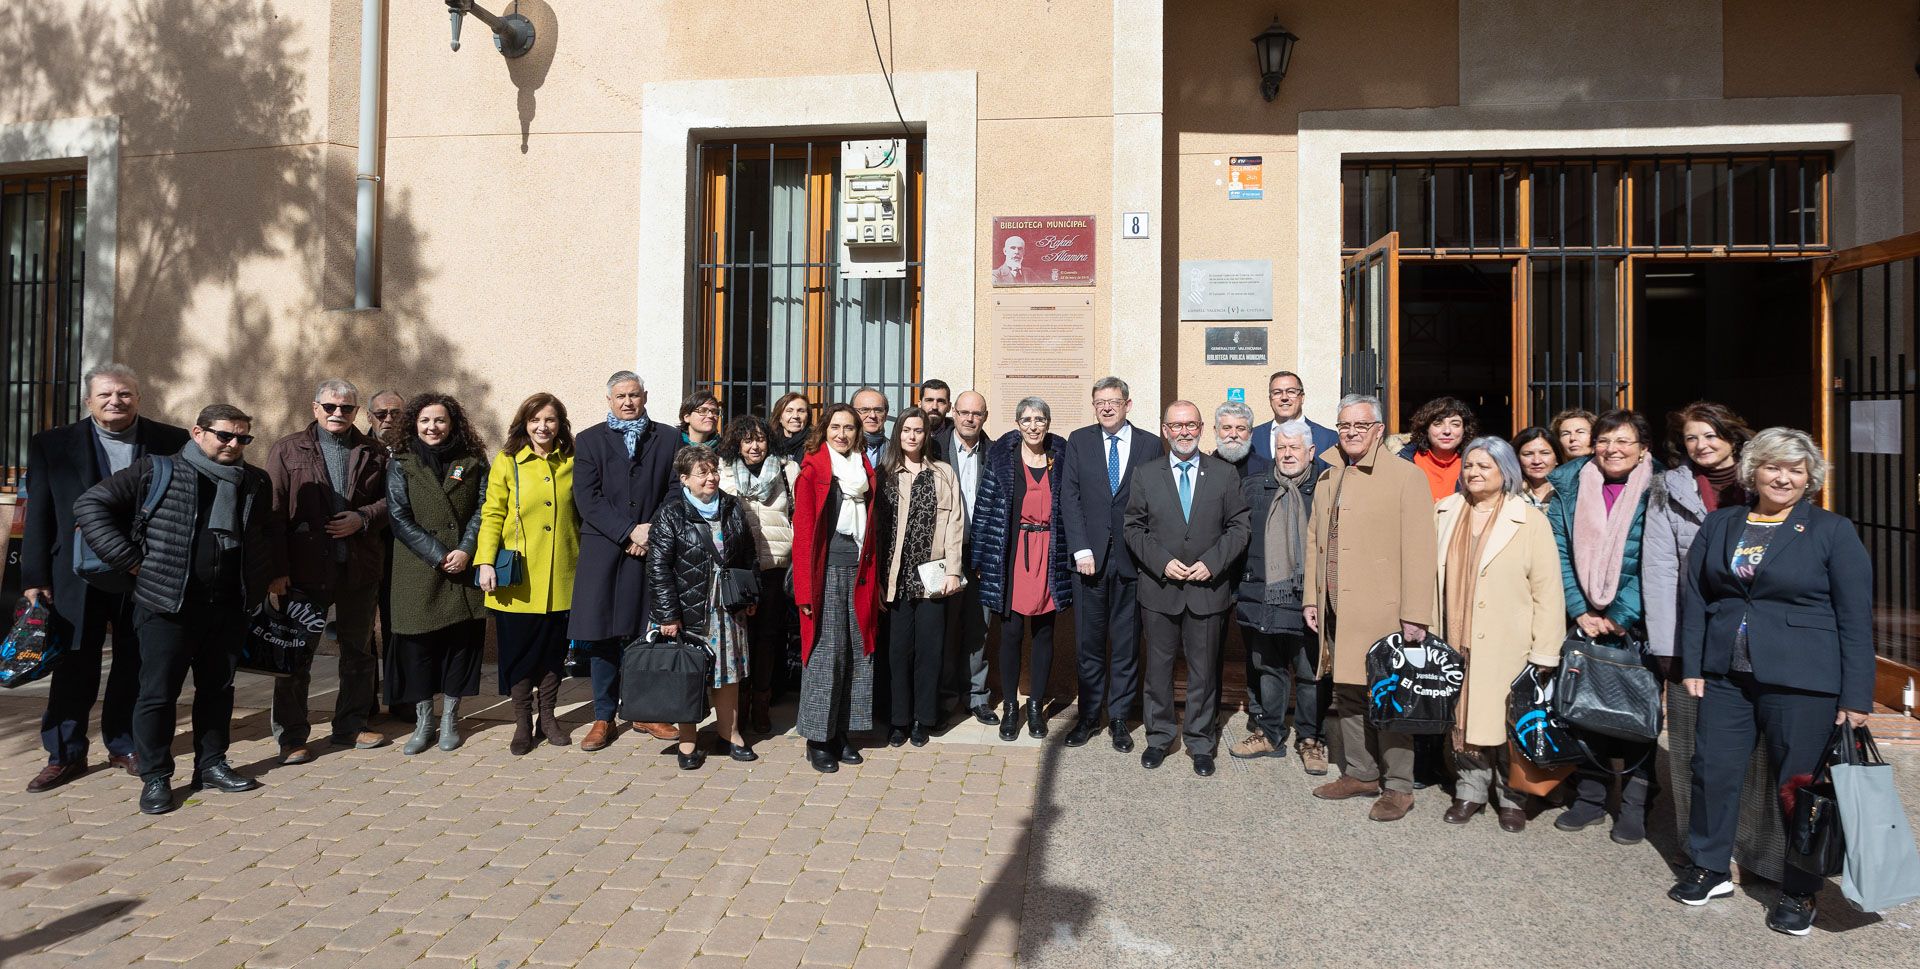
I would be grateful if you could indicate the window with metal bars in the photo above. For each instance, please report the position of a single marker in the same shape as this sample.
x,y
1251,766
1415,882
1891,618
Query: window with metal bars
x,y
43,225
773,314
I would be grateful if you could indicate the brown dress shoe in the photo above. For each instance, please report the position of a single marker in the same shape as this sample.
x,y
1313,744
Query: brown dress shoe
x,y
126,762
1392,806
54,775
660,731
598,736
1462,811
1346,787
1512,819
296,755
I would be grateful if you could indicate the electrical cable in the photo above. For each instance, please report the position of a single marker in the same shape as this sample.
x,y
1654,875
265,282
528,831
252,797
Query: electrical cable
x,y
884,73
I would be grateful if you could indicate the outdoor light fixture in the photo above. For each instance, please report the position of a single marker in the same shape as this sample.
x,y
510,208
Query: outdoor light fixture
x,y
1273,48
512,34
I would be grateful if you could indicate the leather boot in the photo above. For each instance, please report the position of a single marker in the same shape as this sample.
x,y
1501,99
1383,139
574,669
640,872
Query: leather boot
x,y
1009,720
423,732
598,736
450,723
1036,718
547,698
1630,828
522,718
1589,804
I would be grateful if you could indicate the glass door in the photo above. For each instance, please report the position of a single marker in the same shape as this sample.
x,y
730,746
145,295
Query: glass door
x,y
1370,331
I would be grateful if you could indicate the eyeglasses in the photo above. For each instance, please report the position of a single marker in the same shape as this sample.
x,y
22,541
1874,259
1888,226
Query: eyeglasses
x,y
1034,419
1106,404
345,410
969,413
1183,425
710,411
1285,392
871,411
228,437
1355,427
387,414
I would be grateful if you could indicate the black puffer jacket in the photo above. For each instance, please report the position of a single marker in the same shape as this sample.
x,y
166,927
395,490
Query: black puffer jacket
x,y
105,512
1258,607
681,559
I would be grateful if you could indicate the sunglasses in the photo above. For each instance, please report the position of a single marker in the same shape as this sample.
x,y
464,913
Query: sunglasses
x,y
342,409
387,414
228,437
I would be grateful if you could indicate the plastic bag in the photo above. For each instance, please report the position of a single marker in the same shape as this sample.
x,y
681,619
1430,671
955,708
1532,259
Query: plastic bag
x,y
31,647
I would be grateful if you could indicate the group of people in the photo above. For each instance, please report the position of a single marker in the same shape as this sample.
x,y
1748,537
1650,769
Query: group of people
x,y
893,544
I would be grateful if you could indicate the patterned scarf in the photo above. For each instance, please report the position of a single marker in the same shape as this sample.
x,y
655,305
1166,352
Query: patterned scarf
x,y
1600,533
631,429
759,487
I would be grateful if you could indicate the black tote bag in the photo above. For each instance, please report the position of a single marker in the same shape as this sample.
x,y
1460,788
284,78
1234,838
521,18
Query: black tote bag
x,y
665,680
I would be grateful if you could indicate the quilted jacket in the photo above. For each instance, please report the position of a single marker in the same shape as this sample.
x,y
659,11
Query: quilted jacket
x,y
681,559
995,514
105,512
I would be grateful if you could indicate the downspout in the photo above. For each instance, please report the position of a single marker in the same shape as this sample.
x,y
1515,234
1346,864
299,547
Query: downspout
x,y
366,230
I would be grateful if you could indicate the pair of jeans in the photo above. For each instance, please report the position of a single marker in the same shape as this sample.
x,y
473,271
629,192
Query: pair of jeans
x,y
353,611
1283,669
202,638
75,683
603,665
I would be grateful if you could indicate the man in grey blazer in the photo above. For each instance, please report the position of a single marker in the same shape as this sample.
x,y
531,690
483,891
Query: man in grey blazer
x,y
1187,527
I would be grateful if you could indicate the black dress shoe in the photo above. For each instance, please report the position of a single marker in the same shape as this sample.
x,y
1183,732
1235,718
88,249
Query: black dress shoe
x,y
156,796
1082,731
821,758
739,752
896,737
1036,719
222,777
690,761
847,754
1152,757
919,735
1009,720
1203,764
1122,740
984,713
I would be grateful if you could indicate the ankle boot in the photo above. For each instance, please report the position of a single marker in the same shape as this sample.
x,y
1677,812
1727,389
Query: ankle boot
x,y
423,732
522,718
547,698
450,723
1630,828
1036,718
1589,804
1009,720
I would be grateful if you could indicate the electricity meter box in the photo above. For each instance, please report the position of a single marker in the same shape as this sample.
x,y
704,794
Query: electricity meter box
x,y
872,226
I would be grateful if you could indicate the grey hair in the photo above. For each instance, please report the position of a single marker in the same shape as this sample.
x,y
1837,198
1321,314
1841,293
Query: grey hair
x,y
1512,481
1350,400
1783,445
884,402
335,386
118,371
622,376
1297,429
388,392
1233,408
1032,403
1113,383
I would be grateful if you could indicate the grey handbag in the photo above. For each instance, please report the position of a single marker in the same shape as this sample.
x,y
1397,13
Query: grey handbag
x,y
1608,690
1882,868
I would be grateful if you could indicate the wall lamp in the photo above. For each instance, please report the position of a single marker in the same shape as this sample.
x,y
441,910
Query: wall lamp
x,y
1273,49
512,34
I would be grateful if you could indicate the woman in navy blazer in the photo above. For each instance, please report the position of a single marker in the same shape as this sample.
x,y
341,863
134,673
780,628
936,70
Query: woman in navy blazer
x,y
1776,639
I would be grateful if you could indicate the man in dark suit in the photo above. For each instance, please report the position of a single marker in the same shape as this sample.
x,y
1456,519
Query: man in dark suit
x,y
61,465
622,470
1288,398
1187,527
1094,484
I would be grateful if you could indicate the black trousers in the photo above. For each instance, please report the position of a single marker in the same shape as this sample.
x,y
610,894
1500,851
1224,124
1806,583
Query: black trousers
x,y
1011,633
75,683
1167,637
916,647
1795,726
1283,668
202,638
1106,622
767,637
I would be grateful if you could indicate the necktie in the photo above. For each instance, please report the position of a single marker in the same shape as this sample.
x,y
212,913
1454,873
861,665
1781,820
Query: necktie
x,y
1113,464
1186,490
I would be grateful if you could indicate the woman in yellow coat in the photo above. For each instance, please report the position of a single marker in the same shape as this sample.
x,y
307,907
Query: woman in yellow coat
x,y
529,510
1502,606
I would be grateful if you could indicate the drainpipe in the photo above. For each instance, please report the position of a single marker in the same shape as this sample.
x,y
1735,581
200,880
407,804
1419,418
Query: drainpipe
x,y
366,229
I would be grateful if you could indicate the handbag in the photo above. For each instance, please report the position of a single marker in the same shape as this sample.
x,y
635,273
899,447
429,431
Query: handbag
x,y
1882,867
281,642
739,588
1608,690
1816,844
665,680
506,562
31,647
96,572
1535,730
1412,689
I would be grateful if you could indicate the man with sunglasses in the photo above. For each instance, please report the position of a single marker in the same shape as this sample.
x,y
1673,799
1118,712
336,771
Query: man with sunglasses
x,y
330,499
383,419
210,554
384,411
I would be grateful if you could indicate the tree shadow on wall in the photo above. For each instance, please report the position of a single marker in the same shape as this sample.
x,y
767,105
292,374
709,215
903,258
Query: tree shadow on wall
x,y
230,193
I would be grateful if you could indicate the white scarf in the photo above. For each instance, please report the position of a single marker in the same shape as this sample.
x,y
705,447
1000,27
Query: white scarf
x,y
850,471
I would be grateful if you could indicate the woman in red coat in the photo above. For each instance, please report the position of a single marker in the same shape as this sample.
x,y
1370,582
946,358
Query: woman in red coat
x,y
835,587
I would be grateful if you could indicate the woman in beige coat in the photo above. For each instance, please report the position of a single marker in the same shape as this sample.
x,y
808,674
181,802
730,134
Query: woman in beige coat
x,y
763,483
1502,606
920,503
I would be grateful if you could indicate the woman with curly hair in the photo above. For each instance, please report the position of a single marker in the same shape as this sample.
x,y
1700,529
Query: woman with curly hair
x,y
436,486
1440,427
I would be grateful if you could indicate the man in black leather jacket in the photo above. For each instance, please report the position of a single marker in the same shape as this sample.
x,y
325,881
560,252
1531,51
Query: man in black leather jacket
x,y
207,557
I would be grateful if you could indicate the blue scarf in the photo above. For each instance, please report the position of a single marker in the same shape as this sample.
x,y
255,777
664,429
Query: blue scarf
x,y
632,429
708,510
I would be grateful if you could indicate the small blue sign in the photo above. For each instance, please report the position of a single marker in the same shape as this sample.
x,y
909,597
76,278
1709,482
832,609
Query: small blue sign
x,y
1237,394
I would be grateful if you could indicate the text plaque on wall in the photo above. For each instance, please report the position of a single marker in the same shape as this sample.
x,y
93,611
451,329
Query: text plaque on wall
x,y
1043,347
1226,289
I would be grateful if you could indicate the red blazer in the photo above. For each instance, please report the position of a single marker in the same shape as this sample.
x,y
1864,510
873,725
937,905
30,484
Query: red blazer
x,y
811,535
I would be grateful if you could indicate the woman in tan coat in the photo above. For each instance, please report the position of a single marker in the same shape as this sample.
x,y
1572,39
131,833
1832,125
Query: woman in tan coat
x,y
920,503
1501,605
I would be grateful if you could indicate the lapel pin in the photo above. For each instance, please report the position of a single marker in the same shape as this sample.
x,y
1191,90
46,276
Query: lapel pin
x,y
1799,528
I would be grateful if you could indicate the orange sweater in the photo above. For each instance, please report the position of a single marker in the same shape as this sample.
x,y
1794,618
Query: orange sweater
x,y
1443,473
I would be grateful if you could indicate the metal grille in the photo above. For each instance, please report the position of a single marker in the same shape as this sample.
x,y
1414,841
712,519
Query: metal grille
x,y
1873,317
774,315
42,229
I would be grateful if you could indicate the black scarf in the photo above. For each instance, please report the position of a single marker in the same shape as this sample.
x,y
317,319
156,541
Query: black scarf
x,y
792,447
437,456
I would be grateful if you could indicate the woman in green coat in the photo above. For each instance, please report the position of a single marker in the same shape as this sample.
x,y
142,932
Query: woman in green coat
x,y
436,485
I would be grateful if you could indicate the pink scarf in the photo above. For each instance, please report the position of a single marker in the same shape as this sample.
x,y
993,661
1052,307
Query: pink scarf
x,y
1599,535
